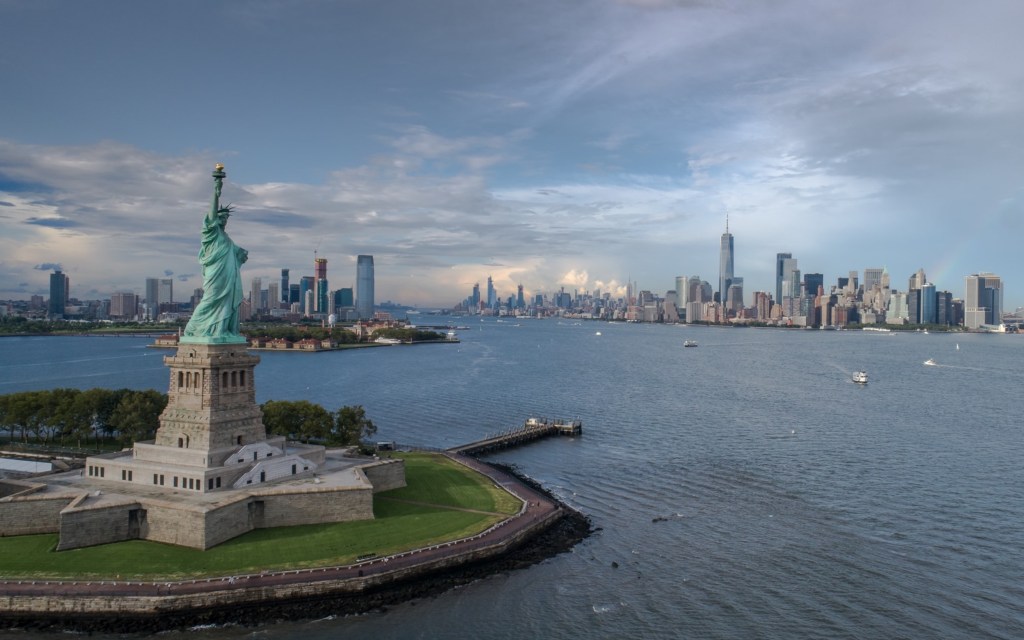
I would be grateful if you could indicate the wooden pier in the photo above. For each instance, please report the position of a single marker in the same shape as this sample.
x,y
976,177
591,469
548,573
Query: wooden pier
x,y
532,429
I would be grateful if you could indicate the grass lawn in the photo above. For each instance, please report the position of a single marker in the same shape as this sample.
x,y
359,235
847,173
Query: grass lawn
x,y
441,489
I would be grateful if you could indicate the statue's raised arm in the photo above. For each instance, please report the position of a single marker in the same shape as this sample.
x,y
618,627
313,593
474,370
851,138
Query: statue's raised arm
x,y
215,319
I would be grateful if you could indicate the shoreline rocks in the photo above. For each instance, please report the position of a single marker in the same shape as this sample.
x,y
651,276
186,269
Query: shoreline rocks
x,y
561,536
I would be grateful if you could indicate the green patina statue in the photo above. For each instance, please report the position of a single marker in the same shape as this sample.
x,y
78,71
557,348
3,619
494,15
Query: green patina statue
x,y
215,319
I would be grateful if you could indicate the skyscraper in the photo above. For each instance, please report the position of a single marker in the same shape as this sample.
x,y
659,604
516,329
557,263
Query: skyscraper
x,y
682,292
725,263
320,303
284,285
983,300
59,285
492,295
159,291
364,287
305,286
254,293
520,300
780,274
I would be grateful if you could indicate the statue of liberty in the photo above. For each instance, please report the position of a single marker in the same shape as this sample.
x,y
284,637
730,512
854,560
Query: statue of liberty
x,y
215,319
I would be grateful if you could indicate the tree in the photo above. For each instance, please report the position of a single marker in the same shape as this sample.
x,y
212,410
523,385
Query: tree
x,y
351,426
137,416
298,420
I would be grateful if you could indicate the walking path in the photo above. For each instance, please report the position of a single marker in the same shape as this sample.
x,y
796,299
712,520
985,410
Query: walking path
x,y
537,510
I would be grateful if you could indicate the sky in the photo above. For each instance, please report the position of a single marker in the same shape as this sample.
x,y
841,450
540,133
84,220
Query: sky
x,y
579,143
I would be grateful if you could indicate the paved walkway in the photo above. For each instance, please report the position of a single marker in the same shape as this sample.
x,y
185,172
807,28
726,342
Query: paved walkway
x,y
537,508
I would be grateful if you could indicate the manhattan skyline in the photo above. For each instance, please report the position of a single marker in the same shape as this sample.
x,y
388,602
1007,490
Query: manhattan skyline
x,y
576,146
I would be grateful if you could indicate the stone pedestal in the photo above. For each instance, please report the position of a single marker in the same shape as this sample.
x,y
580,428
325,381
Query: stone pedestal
x,y
211,405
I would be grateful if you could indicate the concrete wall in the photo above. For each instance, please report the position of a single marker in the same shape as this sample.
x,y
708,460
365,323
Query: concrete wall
x,y
386,474
28,516
171,525
87,526
333,505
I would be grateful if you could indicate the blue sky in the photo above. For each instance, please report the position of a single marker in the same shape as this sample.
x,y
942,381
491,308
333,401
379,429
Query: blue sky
x,y
574,143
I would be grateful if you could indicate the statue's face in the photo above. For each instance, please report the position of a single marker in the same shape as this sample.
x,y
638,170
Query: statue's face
x,y
222,218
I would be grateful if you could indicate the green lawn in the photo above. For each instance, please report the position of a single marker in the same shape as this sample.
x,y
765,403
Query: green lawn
x,y
398,526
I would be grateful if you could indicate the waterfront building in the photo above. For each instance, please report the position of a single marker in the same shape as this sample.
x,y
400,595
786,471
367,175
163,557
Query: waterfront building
x,y
897,312
59,287
364,287
725,263
928,304
983,300
914,306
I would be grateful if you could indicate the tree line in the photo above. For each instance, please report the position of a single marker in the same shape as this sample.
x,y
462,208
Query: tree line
x,y
72,417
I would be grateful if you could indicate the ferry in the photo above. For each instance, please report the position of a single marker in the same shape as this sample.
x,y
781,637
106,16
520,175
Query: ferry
x,y
929,362
690,343
860,377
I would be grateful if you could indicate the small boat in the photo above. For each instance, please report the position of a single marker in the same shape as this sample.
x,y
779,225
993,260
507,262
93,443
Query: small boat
x,y
597,333
860,377
929,362
690,343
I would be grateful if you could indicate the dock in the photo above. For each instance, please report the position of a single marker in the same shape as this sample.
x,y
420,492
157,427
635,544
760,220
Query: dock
x,y
532,429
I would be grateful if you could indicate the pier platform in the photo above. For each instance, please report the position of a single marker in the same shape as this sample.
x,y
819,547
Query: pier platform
x,y
532,429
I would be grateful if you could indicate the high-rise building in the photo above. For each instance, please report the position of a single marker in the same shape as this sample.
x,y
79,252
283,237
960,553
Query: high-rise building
x,y
344,298
682,292
59,286
255,287
983,300
159,296
364,287
520,300
780,273
872,278
294,294
492,295
306,284
320,302
917,280
928,304
285,291
725,263
273,296
813,283
124,306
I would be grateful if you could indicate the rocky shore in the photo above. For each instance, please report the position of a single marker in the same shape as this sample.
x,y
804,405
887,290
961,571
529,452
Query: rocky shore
x,y
564,533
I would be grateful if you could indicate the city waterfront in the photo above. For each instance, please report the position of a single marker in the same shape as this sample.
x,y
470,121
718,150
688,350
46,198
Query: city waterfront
x,y
745,488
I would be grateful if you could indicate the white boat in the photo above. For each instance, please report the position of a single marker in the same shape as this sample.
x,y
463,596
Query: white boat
x,y
597,333
929,362
860,377
690,343
383,340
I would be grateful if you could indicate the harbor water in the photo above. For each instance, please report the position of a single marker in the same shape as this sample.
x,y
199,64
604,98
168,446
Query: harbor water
x,y
746,488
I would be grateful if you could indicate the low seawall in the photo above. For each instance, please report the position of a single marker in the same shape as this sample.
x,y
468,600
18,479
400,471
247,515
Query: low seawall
x,y
150,606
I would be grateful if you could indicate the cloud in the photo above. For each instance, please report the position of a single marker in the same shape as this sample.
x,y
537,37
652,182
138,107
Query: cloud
x,y
55,223
49,266
168,272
